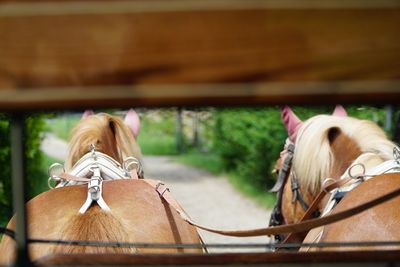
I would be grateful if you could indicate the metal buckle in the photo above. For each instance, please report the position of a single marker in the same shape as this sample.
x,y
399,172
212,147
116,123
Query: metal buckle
x,y
54,171
131,163
163,192
356,175
396,154
326,183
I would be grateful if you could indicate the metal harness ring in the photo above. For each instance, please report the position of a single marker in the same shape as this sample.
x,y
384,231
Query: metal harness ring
x,y
396,154
324,184
131,163
357,176
54,172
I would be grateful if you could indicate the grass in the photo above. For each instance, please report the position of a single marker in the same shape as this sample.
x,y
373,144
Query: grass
x,y
209,162
259,194
62,125
157,144
157,134
214,164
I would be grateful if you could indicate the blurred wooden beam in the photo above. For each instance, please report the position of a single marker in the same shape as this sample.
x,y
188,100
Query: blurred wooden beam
x,y
279,93
54,51
320,258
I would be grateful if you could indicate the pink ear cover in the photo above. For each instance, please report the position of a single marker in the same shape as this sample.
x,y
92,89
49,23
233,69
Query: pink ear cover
x,y
132,120
87,113
339,111
291,121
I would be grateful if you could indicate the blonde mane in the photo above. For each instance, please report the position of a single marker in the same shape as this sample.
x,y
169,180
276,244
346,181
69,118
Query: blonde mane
x,y
108,133
313,157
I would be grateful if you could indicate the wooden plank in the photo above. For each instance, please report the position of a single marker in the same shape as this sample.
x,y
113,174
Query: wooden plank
x,y
370,92
50,49
349,258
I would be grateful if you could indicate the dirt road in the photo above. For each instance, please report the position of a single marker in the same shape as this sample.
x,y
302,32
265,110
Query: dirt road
x,y
210,200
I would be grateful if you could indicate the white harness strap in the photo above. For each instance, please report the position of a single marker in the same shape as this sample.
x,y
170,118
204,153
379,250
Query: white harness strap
x,y
95,187
92,169
389,166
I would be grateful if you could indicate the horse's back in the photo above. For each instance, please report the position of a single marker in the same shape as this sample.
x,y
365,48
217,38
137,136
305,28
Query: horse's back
x,y
147,212
379,223
138,214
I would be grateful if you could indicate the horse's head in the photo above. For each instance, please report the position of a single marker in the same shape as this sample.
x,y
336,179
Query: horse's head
x,y
109,134
322,147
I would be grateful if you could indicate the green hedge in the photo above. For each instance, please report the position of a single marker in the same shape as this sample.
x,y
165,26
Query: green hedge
x,y
5,164
36,177
249,142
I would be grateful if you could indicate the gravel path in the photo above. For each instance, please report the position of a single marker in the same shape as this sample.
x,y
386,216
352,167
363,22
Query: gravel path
x,y
208,199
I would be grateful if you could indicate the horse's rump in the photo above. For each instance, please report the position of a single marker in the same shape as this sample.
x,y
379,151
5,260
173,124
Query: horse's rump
x,y
138,214
380,223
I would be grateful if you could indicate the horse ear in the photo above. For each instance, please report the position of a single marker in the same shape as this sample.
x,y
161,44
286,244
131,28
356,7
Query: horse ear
x,y
291,121
87,113
339,111
132,120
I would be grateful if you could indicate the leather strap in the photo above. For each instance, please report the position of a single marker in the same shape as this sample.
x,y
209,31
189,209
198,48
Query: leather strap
x,y
328,188
297,196
296,227
315,204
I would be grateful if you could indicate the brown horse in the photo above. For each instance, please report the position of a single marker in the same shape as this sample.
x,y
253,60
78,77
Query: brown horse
x,y
135,211
335,148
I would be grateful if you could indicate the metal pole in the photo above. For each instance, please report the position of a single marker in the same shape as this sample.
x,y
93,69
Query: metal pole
x,y
18,187
196,130
388,117
179,131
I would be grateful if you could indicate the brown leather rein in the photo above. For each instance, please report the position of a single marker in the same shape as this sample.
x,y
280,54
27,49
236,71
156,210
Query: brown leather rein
x,y
308,224
304,225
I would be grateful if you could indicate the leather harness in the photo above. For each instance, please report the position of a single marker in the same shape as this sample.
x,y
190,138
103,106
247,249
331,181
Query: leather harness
x,y
332,187
284,172
305,224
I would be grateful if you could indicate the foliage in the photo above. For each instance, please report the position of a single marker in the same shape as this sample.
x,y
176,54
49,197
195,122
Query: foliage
x,y
157,133
249,142
36,177
62,124
5,178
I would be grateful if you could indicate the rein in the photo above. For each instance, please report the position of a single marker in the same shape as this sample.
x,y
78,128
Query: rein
x,y
308,224
305,224
296,227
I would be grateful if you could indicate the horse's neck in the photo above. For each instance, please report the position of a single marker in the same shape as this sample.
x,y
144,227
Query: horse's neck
x,y
345,150
363,164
